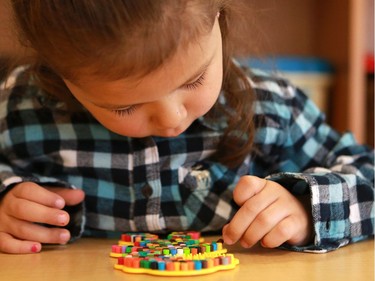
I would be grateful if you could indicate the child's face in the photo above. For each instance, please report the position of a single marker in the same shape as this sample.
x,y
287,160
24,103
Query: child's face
x,y
164,102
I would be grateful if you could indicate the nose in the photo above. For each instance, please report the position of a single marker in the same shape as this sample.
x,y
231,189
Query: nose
x,y
169,113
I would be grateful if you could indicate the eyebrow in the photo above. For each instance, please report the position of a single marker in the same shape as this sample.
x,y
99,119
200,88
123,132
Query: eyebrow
x,y
200,70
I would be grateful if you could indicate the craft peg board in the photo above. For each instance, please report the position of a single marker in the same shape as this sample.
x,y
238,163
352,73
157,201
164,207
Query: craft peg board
x,y
180,254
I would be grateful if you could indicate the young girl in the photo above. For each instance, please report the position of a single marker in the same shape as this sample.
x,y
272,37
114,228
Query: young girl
x,y
133,116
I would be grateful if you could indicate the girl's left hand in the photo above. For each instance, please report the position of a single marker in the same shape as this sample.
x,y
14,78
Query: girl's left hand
x,y
268,213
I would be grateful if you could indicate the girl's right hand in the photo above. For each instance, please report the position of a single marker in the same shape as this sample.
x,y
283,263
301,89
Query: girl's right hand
x,y
27,204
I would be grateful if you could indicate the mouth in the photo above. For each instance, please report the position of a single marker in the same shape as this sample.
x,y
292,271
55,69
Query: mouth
x,y
170,133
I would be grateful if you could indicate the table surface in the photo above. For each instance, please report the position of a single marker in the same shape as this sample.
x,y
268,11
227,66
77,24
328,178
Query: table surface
x,y
88,259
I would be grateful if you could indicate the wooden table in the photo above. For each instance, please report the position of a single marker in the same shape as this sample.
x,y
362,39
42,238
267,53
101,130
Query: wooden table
x,y
88,259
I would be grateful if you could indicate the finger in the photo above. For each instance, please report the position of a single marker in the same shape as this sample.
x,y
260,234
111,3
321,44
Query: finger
x,y
34,212
33,192
34,232
263,224
246,188
246,215
70,196
11,245
281,233
292,230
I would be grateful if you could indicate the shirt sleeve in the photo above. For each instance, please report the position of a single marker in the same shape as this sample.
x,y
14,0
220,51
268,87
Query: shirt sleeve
x,y
313,159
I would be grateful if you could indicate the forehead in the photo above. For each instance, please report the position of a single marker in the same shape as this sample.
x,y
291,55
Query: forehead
x,y
170,75
138,46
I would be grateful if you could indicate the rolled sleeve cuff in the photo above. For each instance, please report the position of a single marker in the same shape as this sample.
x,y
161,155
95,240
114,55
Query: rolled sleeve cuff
x,y
330,216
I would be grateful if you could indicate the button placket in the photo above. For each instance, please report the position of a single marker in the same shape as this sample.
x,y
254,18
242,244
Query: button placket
x,y
148,184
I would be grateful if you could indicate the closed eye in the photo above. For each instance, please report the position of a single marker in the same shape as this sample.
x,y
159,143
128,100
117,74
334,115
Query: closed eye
x,y
125,111
194,85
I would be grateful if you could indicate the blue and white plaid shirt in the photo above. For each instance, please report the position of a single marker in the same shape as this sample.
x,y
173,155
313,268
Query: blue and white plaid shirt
x,y
168,184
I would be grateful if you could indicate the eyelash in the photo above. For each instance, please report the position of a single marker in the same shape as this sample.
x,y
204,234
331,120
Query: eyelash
x,y
131,109
199,82
127,111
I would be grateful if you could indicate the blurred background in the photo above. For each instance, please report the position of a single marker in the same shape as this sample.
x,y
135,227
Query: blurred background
x,y
325,47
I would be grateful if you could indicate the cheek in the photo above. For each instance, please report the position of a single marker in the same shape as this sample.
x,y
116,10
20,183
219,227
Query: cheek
x,y
205,101
211,93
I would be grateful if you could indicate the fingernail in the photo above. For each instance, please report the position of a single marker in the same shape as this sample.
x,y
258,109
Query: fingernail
x,y
244,244
59,203
227,240
35,248
64,237
62,219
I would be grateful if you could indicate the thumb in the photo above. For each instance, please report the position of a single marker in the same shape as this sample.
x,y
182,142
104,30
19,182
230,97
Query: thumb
x,y
70,196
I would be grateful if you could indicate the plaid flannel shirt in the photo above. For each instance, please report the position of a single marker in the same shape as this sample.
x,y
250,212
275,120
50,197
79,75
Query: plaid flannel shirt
x,y
168,184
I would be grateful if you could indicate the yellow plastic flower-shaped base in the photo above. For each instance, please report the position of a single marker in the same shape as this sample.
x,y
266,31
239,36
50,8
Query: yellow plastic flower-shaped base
x,y
181,254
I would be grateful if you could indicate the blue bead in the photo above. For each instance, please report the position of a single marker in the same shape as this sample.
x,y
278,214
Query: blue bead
x,y
161,265
197,265
173,251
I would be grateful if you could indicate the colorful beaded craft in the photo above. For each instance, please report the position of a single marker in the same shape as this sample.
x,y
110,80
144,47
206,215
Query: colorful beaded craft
x,y
181,254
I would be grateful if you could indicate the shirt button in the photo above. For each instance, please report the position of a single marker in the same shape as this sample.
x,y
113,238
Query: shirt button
x,y
147,190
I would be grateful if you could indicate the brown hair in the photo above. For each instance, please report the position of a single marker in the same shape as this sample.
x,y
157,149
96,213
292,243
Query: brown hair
x,y
111,38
